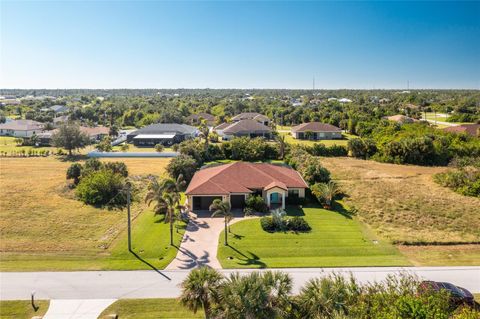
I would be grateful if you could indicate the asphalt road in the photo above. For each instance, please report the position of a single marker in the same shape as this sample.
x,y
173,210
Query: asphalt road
x,y
152,284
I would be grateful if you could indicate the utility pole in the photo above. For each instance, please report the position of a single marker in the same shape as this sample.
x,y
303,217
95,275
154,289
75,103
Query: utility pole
x,y
129,226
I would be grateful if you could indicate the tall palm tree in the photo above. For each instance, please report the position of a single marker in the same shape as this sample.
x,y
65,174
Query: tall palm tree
x,y
282,145
167,200
200,289
173,186
204,133
223,209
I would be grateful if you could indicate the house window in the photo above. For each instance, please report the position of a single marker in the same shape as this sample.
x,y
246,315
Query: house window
x,y
293,193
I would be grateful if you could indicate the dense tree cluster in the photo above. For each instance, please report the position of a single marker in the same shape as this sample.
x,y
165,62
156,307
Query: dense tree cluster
x,y
269,295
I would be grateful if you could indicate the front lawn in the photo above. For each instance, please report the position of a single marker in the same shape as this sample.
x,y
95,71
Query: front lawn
x,y
336,240
45,228
22,309
149,309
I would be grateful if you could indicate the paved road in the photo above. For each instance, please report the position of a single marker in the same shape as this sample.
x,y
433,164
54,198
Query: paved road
x,y
151,284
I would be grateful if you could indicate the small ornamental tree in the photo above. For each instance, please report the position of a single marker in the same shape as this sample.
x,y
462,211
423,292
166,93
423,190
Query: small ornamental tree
x,y
102,188
74,172
159,148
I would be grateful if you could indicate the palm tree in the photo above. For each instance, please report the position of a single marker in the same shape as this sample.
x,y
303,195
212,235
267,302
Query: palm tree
x,y
282,145
166,198
204,133
200,289
222,208
172,185
326,192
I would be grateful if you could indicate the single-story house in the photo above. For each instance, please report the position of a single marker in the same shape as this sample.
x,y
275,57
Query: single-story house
x,y
233,182
96,133
252,116
196,119
316,131
399,118
250,128
20,128
57,109
470,129
162,133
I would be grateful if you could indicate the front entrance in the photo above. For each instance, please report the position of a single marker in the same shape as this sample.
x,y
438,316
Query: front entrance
x,y
275,198
203,202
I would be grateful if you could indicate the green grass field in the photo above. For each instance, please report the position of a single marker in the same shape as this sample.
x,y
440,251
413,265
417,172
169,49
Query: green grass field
x,y
335,241
149,309
45,228
7,144
22,309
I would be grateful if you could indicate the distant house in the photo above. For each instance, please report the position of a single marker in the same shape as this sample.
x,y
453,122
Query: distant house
x,y
162,133
96,133
60,120
316,131
470,129
251,116
249,128
235,181
345,100
21,128
196,119
399,119
57,109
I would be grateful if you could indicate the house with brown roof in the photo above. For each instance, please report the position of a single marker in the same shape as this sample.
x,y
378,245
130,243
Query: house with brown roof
x,y
316,131
20,128
196,119
251,116
234,182
470,129
249,128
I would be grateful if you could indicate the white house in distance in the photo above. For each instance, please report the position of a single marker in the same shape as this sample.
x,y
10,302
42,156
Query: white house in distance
x,y
20,128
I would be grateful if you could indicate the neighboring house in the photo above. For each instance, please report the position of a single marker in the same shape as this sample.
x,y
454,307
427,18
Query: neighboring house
x,y
470,129
196,119
57,109
59,120
316,131
162,133
96,133
252,116
399,119
250,128
21,128
233,182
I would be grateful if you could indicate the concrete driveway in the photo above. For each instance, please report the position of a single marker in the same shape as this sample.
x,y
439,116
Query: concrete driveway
x,y
200,242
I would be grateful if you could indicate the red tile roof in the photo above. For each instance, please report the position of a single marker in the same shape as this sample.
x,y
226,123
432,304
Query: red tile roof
x,y
315,127
470,129
243,177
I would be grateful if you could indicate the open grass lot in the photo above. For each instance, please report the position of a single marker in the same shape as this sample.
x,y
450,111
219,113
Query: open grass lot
x,y
149,309
43,227
7,144
403,203
335,241
22,309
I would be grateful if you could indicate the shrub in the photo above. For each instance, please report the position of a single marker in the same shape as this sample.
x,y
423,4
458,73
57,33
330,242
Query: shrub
x,y
102,188
267,224
297,224
248,211
256,203
159,148
117,167
313,172
74,172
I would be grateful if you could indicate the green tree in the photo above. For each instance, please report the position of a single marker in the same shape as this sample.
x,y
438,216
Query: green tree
x,y
105,145
70,138
159,148
204,133
326,192
222,209
182,165
200,290
102,188
280,139
74,172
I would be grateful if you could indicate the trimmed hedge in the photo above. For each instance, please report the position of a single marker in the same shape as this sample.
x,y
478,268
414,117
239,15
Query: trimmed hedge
x,y
295,224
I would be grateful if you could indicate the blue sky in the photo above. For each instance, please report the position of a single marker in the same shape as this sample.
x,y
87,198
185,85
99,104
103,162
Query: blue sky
x,y
134,44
